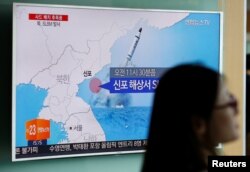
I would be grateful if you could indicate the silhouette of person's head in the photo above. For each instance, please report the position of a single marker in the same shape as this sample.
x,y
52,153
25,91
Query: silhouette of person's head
x,y
192,113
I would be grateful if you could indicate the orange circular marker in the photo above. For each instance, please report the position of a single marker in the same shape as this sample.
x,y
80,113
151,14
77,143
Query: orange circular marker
x,y
94,85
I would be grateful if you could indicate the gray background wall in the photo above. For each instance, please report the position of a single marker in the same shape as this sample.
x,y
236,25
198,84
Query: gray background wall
x,y
106,163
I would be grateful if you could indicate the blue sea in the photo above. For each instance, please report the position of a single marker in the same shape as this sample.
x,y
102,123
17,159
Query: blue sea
x,y
129,123
29,102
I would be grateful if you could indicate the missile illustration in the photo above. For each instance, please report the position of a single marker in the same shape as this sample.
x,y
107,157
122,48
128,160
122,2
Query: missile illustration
x,y
133,47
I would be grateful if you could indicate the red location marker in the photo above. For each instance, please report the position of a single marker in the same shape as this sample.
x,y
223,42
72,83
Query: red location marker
x,y
94,85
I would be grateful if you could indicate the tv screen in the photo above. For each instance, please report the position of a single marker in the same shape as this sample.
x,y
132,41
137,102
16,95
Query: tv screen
x,y
84,77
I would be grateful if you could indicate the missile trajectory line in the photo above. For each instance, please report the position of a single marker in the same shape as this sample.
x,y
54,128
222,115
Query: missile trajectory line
x,y
133,47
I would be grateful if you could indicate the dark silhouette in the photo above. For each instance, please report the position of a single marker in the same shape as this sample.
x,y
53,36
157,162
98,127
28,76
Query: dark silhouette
x,y
192,113
248,104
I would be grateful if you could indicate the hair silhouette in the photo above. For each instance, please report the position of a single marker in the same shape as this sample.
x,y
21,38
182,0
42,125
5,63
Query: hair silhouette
x,y
183,92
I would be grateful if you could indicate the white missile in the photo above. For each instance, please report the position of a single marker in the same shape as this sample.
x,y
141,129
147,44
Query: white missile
x,y
133,47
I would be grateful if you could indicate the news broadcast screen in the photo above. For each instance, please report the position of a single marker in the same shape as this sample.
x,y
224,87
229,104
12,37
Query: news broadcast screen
x,y
84,77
